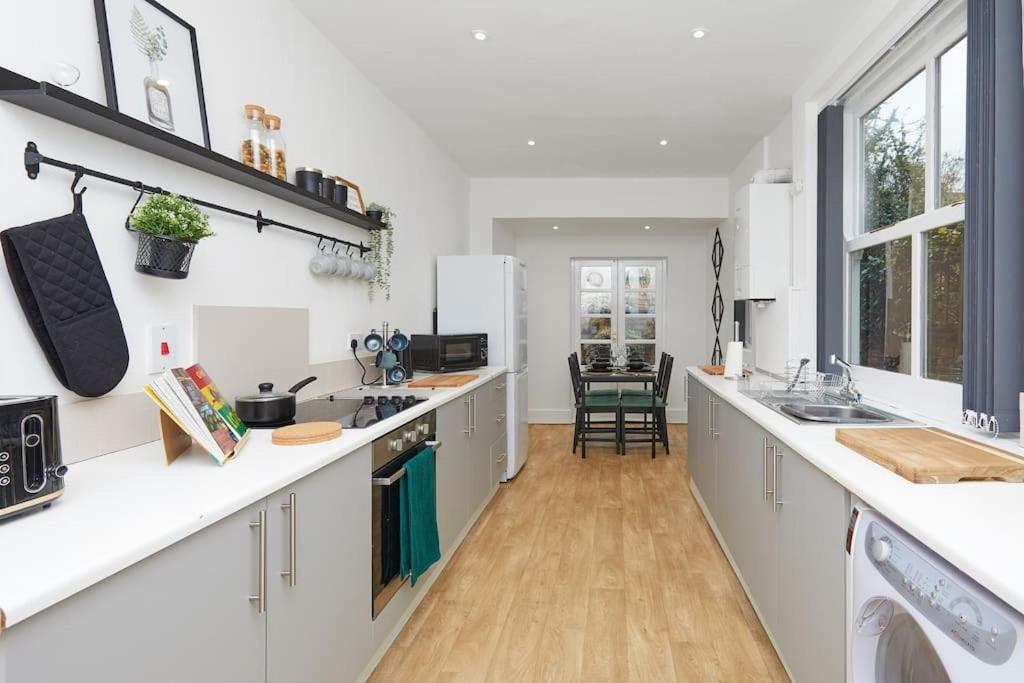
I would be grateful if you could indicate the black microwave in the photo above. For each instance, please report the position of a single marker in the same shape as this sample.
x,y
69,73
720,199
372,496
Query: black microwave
x,y
448,352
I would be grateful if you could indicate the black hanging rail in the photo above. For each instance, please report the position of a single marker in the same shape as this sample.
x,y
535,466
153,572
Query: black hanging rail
x,y
34,159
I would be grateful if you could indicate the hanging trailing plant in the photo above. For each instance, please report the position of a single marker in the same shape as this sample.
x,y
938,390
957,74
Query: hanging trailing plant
x,y
382,248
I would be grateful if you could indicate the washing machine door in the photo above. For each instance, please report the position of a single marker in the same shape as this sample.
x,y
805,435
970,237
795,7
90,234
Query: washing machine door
x,y
891,647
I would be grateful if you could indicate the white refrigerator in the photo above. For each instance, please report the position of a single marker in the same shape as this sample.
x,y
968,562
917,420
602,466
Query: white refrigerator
x,y
488,294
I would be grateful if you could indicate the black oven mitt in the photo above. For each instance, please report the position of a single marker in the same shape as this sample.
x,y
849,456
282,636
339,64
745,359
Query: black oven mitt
x,y
60,283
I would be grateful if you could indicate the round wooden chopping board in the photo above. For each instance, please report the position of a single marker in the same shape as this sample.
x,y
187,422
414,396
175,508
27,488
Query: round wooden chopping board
x,y
305,433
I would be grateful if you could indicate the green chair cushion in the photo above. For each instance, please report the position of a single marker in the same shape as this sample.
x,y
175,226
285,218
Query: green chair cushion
x,y
601,402
640,402
637,392
603,392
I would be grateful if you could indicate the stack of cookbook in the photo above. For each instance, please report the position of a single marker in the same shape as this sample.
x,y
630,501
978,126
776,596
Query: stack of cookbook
x,y
192,409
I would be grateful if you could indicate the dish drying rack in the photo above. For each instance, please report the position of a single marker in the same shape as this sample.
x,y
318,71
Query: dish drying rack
x,y
804,382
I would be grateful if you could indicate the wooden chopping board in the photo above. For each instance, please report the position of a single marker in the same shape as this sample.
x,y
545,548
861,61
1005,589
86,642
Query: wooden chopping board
x,y
442,381
925,455
719,370
305,433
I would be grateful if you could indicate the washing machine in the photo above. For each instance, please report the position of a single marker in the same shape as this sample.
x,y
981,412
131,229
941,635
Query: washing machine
x,y
917,619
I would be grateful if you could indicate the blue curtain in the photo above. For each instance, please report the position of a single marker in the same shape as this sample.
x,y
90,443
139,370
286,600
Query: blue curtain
x,y
994,232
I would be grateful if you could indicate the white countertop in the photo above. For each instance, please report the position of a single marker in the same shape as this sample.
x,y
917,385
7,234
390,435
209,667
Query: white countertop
x,y
976,526
120,508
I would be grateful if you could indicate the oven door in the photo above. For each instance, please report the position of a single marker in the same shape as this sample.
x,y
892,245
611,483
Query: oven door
x,y
459,352
387,578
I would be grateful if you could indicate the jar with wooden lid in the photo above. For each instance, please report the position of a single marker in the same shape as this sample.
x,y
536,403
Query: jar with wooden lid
x,y
276,148
255,152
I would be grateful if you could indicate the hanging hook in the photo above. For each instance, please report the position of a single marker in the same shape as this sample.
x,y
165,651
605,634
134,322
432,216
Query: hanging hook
x,y
141,189
320,244
79,174
76,194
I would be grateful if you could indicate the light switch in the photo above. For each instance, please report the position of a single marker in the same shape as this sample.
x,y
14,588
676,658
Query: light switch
x,y
161,349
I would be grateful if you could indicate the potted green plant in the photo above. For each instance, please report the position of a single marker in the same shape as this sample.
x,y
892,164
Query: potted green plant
x,y
382,248
169,227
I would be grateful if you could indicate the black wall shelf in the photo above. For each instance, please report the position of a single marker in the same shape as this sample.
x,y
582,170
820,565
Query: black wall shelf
x,y
55,102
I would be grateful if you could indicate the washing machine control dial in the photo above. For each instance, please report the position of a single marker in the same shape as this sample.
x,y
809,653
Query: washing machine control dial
x,y
881,549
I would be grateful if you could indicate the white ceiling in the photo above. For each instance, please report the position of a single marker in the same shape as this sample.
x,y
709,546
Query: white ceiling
x,y
596,83
604,227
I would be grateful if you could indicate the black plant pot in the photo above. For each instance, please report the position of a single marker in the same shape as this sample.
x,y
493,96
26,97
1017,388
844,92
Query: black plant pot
x,y
375,215
163,256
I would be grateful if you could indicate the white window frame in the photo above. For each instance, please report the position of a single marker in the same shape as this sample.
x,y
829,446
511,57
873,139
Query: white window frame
x,y
618,292
921,53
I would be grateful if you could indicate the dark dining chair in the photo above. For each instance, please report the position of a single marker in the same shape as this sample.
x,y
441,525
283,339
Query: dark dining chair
x,y
654,405
585,428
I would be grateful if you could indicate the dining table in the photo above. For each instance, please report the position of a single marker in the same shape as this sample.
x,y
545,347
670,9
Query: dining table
x,y
617,375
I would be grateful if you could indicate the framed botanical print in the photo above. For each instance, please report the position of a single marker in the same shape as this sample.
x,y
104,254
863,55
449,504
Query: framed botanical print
x,y
151,67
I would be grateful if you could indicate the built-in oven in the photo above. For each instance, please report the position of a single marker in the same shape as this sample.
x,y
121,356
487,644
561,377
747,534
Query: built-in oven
x,y
448,352
390,453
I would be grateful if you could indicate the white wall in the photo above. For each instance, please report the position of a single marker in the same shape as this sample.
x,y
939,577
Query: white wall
x,y
259,51
550,300
496,198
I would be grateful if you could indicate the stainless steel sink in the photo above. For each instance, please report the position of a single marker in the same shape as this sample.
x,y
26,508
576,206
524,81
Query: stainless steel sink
x,y
834,414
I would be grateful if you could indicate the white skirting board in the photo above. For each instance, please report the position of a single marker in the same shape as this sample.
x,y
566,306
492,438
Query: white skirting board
x,y
547,416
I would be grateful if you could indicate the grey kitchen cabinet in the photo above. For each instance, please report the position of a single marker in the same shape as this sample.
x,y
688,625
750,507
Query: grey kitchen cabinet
x,y
318,564
783,523
744,515
182,614
452,469
499,459
700,451
812,519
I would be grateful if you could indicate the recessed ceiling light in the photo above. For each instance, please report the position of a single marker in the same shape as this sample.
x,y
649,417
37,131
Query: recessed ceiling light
x,y
663,142
531,143
647,227
699,33
554,227
479,34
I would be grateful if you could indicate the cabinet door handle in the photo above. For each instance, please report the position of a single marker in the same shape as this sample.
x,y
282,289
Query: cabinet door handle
x,y
776,503
290,507
764,469
714,419
709,414
469,417
499,387
774,449
473,410
261,592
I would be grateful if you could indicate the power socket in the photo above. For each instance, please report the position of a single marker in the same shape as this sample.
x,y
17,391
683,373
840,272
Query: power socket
x,y
357,338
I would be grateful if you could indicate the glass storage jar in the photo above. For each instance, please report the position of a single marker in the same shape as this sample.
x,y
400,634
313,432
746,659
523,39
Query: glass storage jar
x,y
275,147
254,144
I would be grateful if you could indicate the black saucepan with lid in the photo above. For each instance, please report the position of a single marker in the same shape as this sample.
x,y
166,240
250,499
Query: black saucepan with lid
x,y
269,408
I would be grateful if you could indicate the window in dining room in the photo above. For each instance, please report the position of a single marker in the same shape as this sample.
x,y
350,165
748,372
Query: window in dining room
x,y
617,308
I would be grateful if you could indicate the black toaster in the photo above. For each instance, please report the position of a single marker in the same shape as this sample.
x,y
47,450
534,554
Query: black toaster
x,y
31,468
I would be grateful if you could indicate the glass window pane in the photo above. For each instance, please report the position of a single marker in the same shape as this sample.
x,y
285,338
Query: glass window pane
x,y
590,352
640,328
639,303
894,151
645,351
953,123
882,300
944,250
596,277
595,304
595,328
640,277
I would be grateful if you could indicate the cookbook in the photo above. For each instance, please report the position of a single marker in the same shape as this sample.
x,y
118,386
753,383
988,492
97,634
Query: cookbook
x,y
190,398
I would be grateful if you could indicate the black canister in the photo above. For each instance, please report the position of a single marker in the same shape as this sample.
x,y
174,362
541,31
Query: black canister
x,y
340,195
327,187
308,178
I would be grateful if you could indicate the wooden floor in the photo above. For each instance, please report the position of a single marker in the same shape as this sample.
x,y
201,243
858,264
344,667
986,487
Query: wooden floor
x,y
587,570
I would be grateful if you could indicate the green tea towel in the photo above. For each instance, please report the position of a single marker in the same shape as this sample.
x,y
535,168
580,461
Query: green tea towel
x,y
418,515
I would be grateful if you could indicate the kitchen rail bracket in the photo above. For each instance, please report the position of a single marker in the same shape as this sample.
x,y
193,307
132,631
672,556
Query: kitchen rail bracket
x,y
34,159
